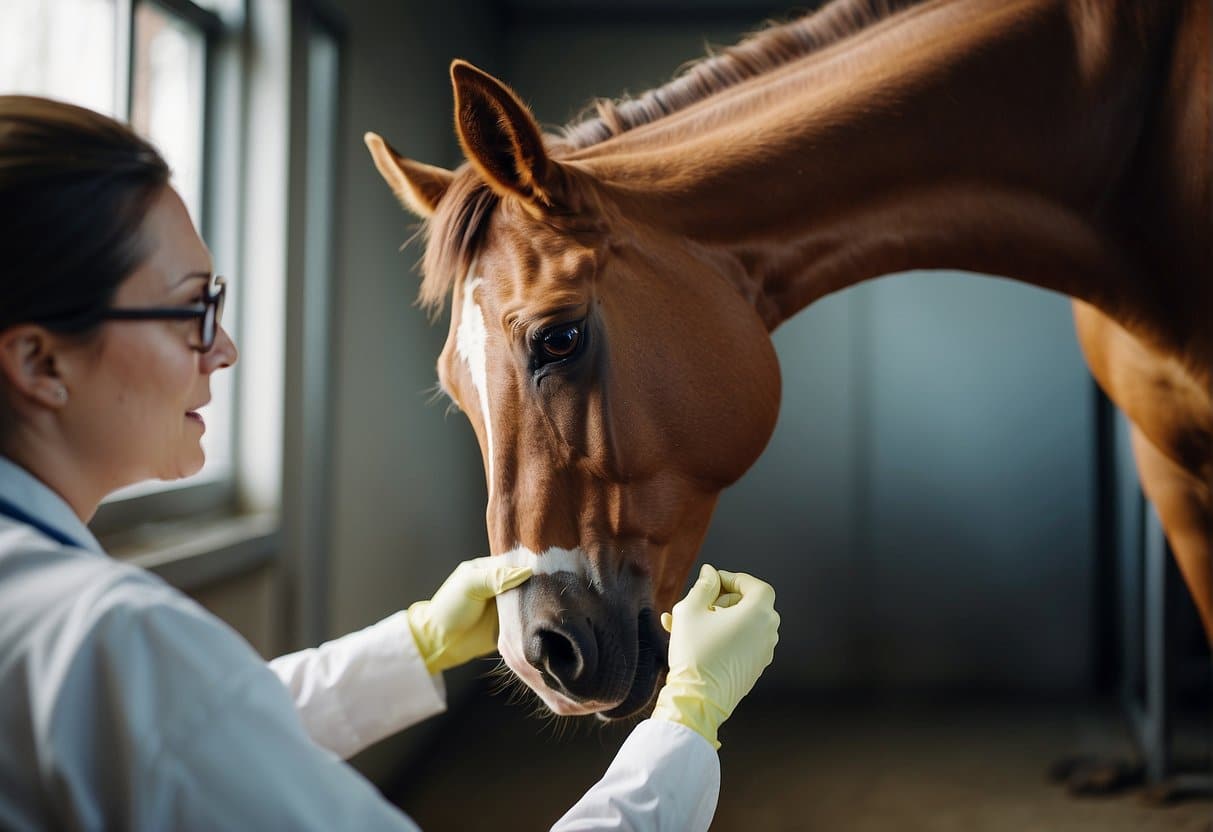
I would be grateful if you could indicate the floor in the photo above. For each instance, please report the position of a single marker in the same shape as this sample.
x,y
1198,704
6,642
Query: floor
x,y
790,766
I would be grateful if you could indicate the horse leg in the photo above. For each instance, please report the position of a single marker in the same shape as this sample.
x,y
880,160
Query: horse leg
x,y
1186,512
1185,507
1132,376
1160,403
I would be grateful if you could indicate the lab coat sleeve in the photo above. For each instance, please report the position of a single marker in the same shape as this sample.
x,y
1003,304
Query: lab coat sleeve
x,y
665,778
164,718
356,690
248,764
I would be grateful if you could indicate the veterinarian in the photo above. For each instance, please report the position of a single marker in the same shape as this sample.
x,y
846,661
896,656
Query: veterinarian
x,y
124,704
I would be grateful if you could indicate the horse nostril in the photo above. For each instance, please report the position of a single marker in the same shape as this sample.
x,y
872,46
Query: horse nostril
x,y
566,659
561,656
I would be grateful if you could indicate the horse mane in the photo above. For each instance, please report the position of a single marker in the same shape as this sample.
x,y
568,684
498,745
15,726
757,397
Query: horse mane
x,y
453,235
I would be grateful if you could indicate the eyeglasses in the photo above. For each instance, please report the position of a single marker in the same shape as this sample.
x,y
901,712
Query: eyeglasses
x,y
208,313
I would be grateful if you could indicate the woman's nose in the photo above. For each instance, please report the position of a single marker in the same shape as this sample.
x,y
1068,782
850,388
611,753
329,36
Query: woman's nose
x,y
222,354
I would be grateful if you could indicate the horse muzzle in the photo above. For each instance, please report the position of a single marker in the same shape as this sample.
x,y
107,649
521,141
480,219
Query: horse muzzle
x,y
583,648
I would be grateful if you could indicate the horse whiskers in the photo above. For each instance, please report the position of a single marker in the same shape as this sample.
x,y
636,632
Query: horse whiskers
x,y
504,680
434,393
501,678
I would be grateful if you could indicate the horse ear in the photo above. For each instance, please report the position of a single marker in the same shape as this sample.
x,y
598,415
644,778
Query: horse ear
x,y
501,138
418,187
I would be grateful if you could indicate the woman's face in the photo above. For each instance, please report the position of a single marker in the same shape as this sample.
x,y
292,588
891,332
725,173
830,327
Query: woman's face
x,y
133,408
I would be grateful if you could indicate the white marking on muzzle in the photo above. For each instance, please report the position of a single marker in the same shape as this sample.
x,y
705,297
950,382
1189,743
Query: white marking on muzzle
x,y
509,619
471,344
550,562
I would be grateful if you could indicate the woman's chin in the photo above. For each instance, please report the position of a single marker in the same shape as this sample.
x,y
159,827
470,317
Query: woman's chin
x,y
188,465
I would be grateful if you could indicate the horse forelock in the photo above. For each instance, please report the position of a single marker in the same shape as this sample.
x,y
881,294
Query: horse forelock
x,y
453,236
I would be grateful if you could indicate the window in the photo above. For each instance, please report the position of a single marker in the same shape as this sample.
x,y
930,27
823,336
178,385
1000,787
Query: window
x,y
51,48
149,62
168,85
243,99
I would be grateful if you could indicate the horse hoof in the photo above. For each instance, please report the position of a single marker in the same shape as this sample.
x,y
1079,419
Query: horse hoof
x,y
1090,776
1178,789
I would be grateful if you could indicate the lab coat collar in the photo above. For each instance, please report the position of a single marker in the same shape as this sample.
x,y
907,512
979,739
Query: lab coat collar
x,y
31,495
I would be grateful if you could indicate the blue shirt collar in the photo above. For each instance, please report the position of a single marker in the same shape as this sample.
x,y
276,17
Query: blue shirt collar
x,y
29,494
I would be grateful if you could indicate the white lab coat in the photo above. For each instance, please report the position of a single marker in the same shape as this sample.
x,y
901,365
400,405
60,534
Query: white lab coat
x,y
123,704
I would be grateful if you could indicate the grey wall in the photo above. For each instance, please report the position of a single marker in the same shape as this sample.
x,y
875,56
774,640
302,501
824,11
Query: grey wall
x,y
408,484
925,508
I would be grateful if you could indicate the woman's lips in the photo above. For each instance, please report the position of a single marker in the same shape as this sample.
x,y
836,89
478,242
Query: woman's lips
x,y
197,417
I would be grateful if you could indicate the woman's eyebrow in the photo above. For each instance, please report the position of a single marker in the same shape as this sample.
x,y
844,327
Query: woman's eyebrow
x,y
192,276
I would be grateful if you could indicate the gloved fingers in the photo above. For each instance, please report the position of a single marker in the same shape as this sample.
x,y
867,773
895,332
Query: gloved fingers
x,y
727,599
513,576
483,581
704,591
747,586
701,596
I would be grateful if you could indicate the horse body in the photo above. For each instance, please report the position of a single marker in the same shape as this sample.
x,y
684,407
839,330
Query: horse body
x,y
614,290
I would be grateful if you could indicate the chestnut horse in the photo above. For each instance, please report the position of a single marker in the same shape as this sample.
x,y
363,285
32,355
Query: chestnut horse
x,y
614,288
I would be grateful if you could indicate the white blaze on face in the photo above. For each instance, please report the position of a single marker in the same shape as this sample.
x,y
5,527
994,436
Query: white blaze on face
x,y
471,345
509,619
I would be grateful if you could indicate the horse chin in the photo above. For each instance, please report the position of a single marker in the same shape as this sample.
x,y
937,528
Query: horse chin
x,y
639,700
643,692
650,671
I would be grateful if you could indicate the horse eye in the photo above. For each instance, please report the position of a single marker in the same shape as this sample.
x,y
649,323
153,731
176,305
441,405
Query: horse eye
x,y
560,342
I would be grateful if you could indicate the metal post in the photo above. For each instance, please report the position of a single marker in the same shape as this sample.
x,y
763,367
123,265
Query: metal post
x,y
1155,729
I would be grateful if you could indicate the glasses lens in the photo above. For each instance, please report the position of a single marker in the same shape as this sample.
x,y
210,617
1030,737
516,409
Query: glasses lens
x,y
214,311
208,328
220,296
209,323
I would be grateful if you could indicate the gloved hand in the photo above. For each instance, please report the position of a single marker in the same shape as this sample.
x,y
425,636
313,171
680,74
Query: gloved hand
x,y
460,622
722,636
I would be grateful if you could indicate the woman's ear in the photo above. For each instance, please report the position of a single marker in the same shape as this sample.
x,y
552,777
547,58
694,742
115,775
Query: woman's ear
x,y
27,365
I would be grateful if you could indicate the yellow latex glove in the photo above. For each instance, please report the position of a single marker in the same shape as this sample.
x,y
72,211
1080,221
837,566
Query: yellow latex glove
x,y
460,622
722,636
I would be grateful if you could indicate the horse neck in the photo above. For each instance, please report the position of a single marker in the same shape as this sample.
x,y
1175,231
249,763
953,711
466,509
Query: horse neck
x,y
984,137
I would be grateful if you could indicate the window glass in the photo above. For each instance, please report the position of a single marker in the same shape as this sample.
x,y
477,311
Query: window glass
x,y
60,49
168,94
226,8
74,50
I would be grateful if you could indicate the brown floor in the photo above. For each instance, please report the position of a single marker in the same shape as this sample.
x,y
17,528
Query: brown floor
x,y
836,767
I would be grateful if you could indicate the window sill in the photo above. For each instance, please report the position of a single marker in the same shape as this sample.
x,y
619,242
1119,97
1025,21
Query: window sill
x,y
192,554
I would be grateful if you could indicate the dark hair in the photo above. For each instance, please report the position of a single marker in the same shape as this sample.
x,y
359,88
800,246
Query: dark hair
x,y
75,187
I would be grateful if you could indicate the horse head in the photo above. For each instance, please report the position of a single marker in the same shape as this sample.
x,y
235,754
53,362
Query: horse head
x,y
616,380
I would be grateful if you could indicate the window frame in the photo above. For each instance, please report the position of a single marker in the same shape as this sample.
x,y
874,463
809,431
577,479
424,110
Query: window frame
x,y
260,160
311,319
115,519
